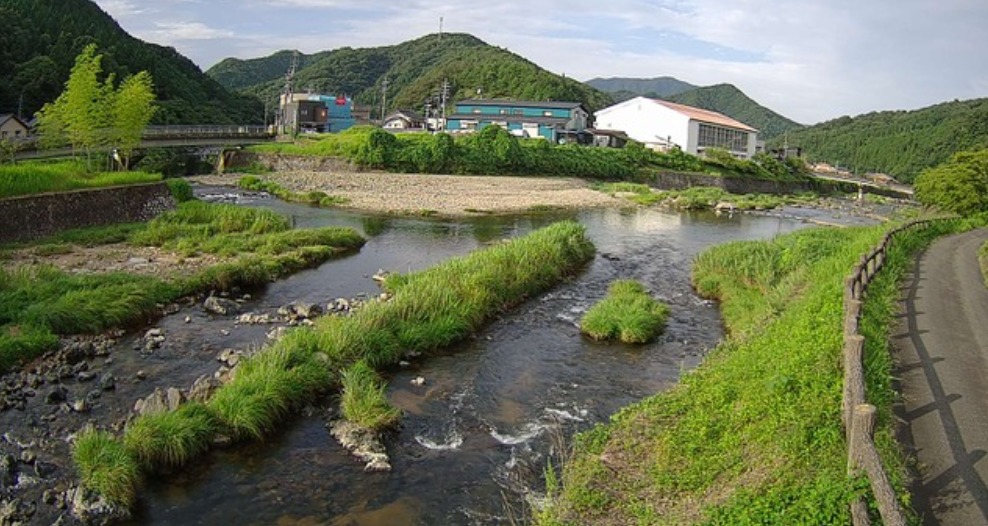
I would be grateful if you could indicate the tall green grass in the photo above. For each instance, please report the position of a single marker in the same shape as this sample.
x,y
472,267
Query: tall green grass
x,y
314,198
363,400
754,435
170,438
106,468
628,314
429,310
35,178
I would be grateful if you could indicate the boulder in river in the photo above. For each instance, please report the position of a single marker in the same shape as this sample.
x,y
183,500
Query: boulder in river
x,y
203,388
220,306
92,509
363,443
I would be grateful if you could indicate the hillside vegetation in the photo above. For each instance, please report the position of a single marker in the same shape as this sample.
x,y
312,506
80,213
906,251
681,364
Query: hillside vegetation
x,y
41,39
899,143
627,88
415,71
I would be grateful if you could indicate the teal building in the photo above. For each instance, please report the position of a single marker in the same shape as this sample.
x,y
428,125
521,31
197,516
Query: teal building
x,y
553,121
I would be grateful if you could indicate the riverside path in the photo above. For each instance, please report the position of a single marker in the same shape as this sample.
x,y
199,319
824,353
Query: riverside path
x,y
941,344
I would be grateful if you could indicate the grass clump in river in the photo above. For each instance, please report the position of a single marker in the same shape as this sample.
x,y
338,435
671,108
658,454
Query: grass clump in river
x,y
363,400
170,438
628,313
105,467
314,198
754,435
37,177
429,310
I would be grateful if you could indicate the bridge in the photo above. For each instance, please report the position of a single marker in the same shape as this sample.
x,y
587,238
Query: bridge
x,y
171,137
866,185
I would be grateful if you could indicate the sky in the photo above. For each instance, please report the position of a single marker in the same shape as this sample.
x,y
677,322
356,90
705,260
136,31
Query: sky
x,y
809,60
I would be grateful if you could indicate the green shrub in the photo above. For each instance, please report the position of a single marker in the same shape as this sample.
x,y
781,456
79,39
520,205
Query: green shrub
x,y
181,190
628,313
363,401
105,467
959,185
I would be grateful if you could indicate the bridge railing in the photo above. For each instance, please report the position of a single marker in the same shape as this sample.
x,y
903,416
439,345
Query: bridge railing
x,y
206,131
859,416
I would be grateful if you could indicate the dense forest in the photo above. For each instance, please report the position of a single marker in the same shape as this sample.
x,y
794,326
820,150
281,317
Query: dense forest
x,y
899,143
41,39
414,70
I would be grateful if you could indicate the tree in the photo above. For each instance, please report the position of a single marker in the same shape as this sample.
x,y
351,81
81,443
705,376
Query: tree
x,y
91,114
132,109
959,185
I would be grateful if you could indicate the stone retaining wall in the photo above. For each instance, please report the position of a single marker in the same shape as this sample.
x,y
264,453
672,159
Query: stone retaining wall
x,y
35,216
292,163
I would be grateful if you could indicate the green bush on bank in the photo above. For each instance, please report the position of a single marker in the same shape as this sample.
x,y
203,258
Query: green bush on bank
x,y
628,313
35,178
753,436
429,310
495,151
959,185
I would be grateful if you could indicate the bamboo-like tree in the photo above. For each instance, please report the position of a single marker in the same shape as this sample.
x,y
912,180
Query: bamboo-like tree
x,y
132,109
91,114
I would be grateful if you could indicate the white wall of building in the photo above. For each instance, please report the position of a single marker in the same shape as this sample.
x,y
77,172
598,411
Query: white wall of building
x,y
647,122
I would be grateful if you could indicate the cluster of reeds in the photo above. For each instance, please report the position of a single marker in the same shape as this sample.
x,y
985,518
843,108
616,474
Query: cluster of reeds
x,y
628,313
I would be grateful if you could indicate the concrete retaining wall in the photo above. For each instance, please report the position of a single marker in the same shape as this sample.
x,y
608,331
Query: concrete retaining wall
x,y
36,216
292,163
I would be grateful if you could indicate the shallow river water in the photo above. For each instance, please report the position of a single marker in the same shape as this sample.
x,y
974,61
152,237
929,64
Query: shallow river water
x,y
477,435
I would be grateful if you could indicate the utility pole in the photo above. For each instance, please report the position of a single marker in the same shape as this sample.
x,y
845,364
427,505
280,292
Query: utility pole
x,y
440,29
444,99
287,95
384,98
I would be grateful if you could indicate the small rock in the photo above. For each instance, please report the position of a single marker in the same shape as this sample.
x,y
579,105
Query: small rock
x,y
141,375
8,471
44,470
362,443
418,381
86,376
91,508
153,333
203,388
220,306
57,395
175,398
188,319
380,275
221,440
225,332
80,406
107,382
156,402
28,456
404,363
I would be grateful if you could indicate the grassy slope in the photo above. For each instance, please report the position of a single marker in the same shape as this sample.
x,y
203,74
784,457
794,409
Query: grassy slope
x,y
36,178
754,435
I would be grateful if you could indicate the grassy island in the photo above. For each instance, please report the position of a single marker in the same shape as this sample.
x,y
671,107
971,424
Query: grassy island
x,y
628,314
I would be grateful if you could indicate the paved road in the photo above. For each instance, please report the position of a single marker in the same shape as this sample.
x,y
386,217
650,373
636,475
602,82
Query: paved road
x,y
942,349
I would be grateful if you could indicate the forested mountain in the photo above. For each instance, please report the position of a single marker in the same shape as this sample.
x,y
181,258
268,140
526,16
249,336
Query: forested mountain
x,y
41,38
626,88
414,70
899,143
729,100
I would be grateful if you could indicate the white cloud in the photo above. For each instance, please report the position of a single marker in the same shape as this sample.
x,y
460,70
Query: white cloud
x,y
809,60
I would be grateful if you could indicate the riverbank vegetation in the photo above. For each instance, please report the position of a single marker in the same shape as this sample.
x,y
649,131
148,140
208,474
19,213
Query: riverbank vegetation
x,y
959,185
494,151
753,436
39,302
700,197
35,178
314,198
429,310
628,313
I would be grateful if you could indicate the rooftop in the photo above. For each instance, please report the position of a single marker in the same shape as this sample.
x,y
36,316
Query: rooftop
x,y
707,116
521,103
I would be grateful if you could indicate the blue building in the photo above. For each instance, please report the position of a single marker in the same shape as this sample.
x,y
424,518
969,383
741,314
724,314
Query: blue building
x,y
553,121
311,112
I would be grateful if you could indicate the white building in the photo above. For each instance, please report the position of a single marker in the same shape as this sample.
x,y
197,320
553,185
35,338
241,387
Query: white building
x,y
660,124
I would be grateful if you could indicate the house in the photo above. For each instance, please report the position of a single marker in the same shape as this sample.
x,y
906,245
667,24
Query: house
x,y
554,121
315,113
12,127
404,120
662,125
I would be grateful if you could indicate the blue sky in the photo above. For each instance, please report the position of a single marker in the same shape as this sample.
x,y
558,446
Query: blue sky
x,y
809,60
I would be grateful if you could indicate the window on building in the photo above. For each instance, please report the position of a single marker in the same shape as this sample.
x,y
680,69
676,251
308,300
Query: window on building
x,y
726,138
476,110
503,111
547,114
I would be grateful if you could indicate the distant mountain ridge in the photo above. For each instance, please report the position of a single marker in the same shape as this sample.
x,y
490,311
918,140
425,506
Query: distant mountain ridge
x,y
658,87
415,71
899,143
722,98
41,39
